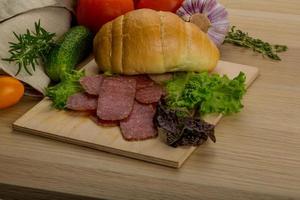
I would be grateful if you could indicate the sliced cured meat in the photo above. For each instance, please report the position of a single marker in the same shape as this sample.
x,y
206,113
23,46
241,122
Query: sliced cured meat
x,y
151,94
139,125
107,123
143,81
91,84
104,123
116,98
82,102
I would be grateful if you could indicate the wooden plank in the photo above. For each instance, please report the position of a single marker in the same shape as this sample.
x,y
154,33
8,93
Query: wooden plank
x,y
77,128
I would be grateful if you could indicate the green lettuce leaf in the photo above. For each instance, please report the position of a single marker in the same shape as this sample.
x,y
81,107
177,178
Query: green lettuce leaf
x,y
60,92
206,93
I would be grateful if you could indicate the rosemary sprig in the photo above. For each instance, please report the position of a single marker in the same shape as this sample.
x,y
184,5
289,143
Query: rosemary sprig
x,y
240,38
29,47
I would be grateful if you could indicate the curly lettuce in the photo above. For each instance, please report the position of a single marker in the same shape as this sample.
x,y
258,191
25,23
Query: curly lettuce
x,y
206,93
60,92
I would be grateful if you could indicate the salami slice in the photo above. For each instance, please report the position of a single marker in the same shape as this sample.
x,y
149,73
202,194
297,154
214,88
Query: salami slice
x,y
104,123
116,98
82,102
151,94
139,125
142,81
91,84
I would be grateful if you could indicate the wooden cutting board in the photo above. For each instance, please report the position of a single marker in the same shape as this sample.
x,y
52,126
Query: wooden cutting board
x,y
77,128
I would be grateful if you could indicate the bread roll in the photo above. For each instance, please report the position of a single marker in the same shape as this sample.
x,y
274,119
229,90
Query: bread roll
x,y
149,42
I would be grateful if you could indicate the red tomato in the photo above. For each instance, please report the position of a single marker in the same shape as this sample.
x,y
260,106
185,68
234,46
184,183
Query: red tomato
x,y
11,91
164,5
95,13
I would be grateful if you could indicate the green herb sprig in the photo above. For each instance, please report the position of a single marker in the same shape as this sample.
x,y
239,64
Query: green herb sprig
x,y
29,47
240,38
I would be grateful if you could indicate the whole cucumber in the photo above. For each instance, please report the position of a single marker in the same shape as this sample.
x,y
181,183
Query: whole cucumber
x,y
69,50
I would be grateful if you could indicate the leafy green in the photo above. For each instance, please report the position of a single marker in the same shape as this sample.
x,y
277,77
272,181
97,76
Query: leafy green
x,y
206,93
60,92
30,47
175,89
182,130
240,38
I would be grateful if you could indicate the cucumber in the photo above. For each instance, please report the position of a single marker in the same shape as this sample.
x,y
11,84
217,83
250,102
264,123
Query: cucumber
x,y
68,51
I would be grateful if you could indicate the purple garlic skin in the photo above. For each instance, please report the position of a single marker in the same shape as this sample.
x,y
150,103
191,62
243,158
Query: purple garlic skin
x,y
215,12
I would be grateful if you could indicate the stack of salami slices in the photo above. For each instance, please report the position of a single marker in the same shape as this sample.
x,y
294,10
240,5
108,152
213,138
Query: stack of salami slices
x,y
125,101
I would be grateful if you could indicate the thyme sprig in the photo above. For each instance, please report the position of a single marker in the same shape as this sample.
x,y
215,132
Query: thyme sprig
x,y
30,47
240,38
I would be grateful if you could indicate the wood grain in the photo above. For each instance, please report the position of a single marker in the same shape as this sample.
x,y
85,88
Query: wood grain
x,y
78,128
257,151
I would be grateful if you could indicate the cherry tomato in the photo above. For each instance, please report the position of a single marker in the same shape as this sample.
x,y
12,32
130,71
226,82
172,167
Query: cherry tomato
x,y
95,13
11,91
164,5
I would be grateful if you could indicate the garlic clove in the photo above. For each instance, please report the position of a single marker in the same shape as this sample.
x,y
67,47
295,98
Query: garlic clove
x,y
217,25
201,21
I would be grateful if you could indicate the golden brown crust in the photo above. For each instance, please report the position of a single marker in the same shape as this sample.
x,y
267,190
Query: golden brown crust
x,y
103,55
117,44
149,42
142,44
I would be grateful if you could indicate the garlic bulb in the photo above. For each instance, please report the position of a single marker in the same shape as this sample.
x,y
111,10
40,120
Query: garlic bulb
x,y
210,16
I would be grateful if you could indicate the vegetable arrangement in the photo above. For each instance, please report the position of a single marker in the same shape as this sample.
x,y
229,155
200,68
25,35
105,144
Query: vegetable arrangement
x,y
59,58
60,63
189,95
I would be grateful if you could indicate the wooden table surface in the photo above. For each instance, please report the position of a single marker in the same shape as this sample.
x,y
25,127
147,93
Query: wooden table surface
x,y
257,154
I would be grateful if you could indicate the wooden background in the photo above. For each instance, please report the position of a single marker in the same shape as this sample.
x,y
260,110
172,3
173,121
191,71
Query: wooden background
x,y
257,154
